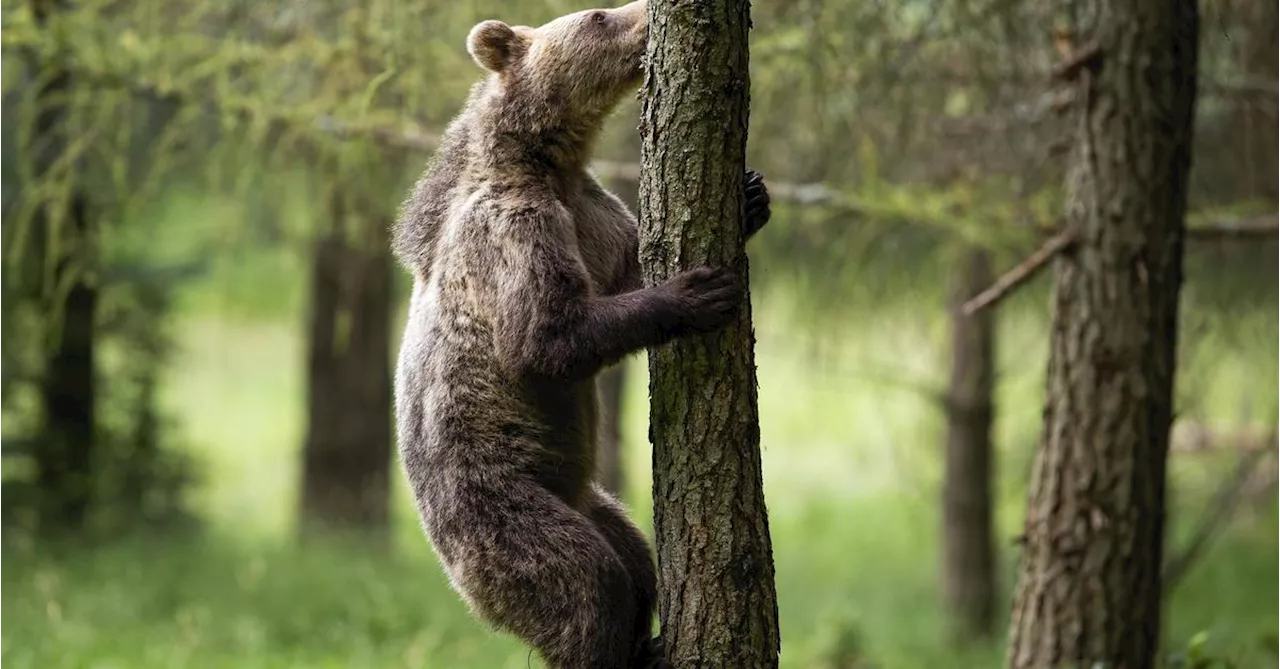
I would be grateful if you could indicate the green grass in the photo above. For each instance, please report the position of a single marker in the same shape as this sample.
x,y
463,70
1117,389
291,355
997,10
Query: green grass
x,y
851,464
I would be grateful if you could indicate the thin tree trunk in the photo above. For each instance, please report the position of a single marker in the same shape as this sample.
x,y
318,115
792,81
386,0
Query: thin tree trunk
x,y
1089,589
64,459
1259,123
68,388
609,461
613,381
717,603
968,565
347,454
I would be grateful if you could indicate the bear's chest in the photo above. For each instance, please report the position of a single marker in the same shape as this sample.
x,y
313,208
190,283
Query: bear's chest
x,y
599,225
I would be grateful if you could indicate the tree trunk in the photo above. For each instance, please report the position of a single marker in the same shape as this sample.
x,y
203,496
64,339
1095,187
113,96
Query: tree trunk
x,y
613,382
1089,589
68,388
609,461
968,565
1259,123
347,454
64,459
717,603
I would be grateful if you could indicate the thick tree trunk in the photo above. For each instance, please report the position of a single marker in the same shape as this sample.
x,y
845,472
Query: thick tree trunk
x,y
68,389
717,602
1089,589
968,564
347,454
609,460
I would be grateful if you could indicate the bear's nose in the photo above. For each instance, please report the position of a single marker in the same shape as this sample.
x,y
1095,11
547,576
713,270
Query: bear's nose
x,y
637,11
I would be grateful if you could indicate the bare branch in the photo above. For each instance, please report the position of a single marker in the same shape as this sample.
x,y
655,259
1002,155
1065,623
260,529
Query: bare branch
x,y
1241,86
1191,437
1261,227
1021,273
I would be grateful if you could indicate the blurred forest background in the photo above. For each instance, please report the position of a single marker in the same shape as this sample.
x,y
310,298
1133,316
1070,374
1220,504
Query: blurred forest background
x,y
199,313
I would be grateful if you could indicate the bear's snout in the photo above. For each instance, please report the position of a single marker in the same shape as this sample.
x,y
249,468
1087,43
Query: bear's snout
x,y
636,14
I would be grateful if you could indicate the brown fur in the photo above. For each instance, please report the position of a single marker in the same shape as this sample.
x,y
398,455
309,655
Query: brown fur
x,y
526,284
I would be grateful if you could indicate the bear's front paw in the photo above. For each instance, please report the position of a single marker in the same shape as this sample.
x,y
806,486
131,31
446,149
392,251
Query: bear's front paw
x,y
709,297
757,197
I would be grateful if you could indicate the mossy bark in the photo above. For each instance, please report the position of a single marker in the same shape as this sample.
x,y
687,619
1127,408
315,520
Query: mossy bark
x,y
717,602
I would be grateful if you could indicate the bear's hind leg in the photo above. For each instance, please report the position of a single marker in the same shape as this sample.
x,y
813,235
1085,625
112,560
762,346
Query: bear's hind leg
x,y
546,574
611,520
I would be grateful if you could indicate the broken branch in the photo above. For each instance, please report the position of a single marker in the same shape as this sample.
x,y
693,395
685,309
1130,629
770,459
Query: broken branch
x,y
1021,273
1261,227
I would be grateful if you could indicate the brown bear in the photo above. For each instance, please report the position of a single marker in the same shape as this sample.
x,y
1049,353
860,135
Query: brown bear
x,y
527,284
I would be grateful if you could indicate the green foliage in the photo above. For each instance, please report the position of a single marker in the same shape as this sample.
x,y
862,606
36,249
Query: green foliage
x,y
1197,657
208,140
850,473
852,510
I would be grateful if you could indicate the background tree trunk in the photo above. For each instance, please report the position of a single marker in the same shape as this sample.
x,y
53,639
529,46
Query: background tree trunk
x,y
1258,122
609,461
717,602
1089,590
968,565
64,458
613,382
347,454
68,389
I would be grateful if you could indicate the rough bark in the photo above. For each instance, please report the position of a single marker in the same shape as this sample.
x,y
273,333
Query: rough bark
x,y
1089,589
968,565
68,388
347,453
717,603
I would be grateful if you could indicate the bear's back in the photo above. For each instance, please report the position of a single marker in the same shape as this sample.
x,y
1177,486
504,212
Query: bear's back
x,y
447,364
449,376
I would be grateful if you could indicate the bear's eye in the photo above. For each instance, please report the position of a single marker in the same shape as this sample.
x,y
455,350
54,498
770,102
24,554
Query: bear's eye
x,y
599,17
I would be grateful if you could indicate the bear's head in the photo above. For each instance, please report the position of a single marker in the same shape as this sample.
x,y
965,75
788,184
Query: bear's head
x,y
581,64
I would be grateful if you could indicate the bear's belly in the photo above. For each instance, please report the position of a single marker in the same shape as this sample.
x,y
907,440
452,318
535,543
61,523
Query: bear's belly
x,y
464,419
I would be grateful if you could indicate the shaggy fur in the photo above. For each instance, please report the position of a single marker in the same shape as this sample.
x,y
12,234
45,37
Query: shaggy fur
x,y
526,284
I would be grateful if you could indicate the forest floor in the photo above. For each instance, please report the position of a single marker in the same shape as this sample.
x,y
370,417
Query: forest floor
x,y
851,459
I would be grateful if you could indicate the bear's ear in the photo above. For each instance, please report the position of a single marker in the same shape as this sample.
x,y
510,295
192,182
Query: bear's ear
x,y
493,45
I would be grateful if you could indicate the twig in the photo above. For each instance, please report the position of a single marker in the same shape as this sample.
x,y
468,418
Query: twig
x,y
1242,85
1252,228
1189,437
1223,505
1021,273
1264,227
